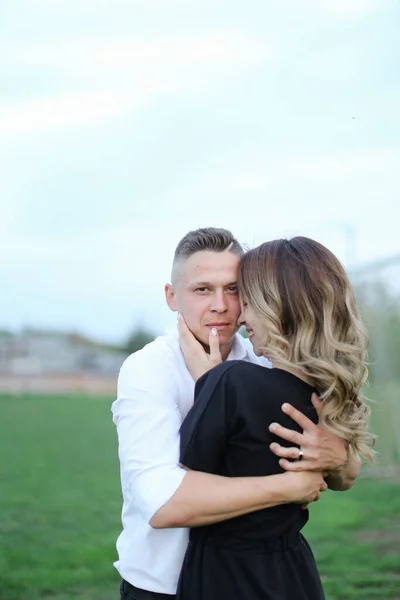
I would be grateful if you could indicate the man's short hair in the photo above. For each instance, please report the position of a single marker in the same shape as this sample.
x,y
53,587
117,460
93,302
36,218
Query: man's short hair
x,y
212,239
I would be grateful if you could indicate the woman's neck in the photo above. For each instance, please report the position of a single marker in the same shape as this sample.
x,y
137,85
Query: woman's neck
x,y
293,370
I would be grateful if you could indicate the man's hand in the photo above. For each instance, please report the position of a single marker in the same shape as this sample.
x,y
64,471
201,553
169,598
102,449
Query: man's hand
x,y
304,487
321,449
196,358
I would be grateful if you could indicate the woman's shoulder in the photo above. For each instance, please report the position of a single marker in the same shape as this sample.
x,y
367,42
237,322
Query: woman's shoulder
x,y
231,369
251,377
227,373
240,372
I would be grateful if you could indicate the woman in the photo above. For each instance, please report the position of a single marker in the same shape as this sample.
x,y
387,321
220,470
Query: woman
x,y
299,310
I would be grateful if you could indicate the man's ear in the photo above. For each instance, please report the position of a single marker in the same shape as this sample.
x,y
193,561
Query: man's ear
x,y
170,297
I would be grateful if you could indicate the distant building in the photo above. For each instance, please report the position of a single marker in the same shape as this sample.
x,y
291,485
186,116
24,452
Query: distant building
x,y
53,362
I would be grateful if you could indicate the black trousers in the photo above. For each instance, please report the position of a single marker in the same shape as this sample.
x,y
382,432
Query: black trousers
x,y
130,592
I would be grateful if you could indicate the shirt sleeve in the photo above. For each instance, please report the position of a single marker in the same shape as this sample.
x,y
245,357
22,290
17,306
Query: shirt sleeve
x,y
148,420
205,430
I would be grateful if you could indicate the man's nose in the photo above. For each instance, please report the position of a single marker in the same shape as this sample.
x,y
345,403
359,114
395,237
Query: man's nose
x,y
219,303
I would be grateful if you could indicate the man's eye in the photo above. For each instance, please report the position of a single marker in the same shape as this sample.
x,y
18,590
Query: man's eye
x,y
201,289
233,289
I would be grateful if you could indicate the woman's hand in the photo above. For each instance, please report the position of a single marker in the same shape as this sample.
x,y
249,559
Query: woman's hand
x,y
304,487
322,450
196,358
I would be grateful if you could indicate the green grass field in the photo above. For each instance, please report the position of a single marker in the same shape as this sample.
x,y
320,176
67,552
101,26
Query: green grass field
x,y
60,511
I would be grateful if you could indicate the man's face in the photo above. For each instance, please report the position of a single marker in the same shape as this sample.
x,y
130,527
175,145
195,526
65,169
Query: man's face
x,y
206,294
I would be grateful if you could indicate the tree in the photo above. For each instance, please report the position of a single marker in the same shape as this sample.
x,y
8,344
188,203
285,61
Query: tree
x,y
137,340
380,309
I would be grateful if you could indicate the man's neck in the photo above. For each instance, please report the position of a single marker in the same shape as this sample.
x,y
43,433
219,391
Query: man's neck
x,y
225,350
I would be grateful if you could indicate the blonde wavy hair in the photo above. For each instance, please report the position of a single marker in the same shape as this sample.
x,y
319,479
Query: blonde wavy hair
x,y
302,291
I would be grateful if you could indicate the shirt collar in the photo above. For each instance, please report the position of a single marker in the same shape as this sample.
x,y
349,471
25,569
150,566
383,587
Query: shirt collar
x,y
239,351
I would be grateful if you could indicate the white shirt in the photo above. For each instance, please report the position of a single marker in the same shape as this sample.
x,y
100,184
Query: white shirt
x,y
155,392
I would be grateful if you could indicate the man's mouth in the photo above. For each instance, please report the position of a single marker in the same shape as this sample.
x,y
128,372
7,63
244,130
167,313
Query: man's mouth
x,y
218,326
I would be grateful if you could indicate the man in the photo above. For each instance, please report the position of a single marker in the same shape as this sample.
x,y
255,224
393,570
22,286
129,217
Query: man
x,y
155,392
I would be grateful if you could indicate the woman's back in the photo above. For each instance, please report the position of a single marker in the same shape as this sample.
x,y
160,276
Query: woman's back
x,y
227,433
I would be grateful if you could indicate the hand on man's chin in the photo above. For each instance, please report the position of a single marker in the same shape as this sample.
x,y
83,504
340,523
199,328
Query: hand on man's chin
x,y
225,337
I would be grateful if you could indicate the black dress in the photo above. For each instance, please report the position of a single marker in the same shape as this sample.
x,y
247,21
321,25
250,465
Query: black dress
x,y
261,555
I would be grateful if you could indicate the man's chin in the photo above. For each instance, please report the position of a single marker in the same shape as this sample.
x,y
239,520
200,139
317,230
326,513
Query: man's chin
x,y
225,337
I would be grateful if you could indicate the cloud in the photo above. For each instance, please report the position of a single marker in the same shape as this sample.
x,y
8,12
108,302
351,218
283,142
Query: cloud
x,y
274,194
221,50
347,165
342,8
135,72
348,9
268,170
96,5
62,111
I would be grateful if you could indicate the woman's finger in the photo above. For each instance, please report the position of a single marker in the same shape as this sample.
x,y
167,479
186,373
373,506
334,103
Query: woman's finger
x,y
283,452
184,340
294,437
297,465
213,340
300,418
187,340
182,327
318,404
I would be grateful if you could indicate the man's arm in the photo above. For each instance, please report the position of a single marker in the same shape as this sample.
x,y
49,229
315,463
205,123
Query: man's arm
x,y
148,423
322,450
343,479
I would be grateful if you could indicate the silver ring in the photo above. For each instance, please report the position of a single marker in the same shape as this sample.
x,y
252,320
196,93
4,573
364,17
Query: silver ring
x,y
301,454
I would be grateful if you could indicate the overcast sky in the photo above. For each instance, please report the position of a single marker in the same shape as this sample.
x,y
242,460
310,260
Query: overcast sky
x,y
126,123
